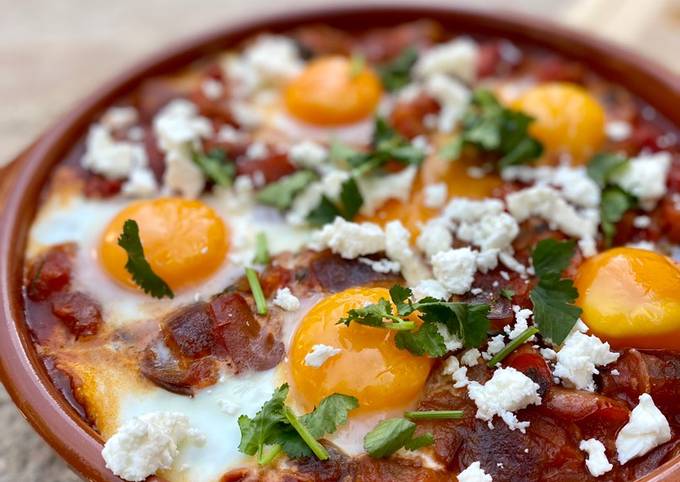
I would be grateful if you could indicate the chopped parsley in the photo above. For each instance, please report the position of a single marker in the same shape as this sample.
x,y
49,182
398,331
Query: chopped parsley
x,y
348,205
392,434
469,322
614,201
553,297
387,145
277,427
491,127
137,265
280,194
397,73
215,166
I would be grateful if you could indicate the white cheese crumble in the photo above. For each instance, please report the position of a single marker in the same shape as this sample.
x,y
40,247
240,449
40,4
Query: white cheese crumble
x,y
308,154
349,240
522,316
435,237
642,222
429,288
212,89
140,183
286,300
471,357
495,345
507,391
474,473
646,429
618,130
179,128
110,158
458,373
597,461
319,354
645,177
376,190
330,185
147,444
457,57
435,195
455,269
451,341
453,98
579,357
382,265
398,248
548,353
118,118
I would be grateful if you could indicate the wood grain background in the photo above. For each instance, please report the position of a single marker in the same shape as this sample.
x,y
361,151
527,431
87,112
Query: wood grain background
x,y
53,52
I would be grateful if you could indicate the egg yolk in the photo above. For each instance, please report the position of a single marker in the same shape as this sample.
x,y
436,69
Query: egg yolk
x,y
329,92
413,213
369,365
184,241
631,298
567,119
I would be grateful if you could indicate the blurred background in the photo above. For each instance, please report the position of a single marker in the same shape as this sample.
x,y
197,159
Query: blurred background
x,y
53,53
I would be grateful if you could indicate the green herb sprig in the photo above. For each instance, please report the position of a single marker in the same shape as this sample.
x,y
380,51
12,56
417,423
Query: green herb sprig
x,y
215,166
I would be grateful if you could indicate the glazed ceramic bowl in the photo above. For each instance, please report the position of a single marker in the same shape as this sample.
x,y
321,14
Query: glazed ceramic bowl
x,y
20,368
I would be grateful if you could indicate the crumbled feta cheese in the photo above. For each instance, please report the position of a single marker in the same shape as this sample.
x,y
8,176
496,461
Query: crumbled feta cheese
x,y
350,240
647,428
474,473
398,248
329,185
508,390
496,344
597,461
469,210
618,130
458,373
140,183
308,154
179,128
429,288
435,195
471,357
453,98
257,150
575,184
579,357
286,300
457,57
476,291
548,353
455,269
521,323
376,190
646,245
548,204
642,222
231,135
487,260
245,114
382,265
319,354
645,177
212,89
116,118
510,262
435,237
147,444
228,407
110,158
451,341
615,372
491,231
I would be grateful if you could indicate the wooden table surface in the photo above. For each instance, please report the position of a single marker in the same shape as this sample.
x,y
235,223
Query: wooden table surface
x,y
54,52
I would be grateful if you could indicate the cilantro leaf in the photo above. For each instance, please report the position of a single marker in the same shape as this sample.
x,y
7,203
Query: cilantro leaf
x,y
397,73
426,340
375,314
552,257
137,265
276,424
613,205
263,429
401,299
348,206
603,165
491,127
280,194
507,293
215,166
392,434
553,297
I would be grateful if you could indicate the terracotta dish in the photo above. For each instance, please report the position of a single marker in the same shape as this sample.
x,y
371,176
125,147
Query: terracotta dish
x,y
23,370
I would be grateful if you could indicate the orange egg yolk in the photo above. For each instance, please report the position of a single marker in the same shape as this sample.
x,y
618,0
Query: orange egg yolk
x,y
369,365
631,298
413,213
567,119
184,241
329,92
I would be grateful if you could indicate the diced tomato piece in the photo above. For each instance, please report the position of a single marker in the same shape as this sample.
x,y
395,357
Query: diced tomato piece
x,y
97,186
273,166
408,118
